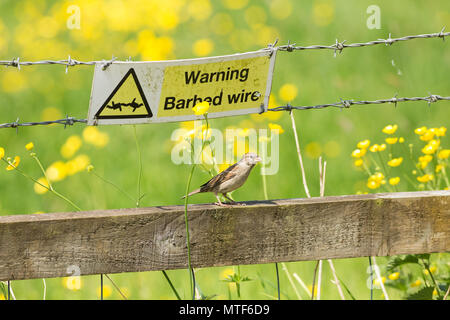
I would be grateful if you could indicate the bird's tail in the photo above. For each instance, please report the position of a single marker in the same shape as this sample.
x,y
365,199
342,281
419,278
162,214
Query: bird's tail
x,y
190,194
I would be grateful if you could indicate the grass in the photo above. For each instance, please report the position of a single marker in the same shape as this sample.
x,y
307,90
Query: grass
x,y
364,73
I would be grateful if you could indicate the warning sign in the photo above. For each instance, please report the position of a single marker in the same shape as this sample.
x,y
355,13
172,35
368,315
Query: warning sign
x,y
166,91
126,101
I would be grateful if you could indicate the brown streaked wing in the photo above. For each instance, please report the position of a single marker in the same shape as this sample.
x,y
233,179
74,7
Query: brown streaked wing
x,y
221,177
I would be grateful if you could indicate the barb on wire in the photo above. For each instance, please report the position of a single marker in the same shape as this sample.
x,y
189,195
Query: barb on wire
x,y
348,103
339,46
68,121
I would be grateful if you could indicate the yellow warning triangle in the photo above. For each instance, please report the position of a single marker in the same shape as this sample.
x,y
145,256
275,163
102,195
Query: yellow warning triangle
x,y
126,101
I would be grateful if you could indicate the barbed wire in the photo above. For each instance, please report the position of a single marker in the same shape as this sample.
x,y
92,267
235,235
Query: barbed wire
x,y
339,46
347,103
69,62
69,121
336,47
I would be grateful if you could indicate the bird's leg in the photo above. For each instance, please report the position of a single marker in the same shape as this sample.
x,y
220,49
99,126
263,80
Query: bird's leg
x,y
231,200
228,198
219,203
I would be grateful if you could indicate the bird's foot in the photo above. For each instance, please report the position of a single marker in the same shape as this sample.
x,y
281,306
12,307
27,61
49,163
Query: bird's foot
x,y
229,204
221,204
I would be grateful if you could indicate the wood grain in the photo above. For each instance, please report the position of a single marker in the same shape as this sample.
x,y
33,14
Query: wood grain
x,y
130,240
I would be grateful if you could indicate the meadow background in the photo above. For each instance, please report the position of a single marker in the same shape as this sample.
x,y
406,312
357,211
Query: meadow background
x,y
160,30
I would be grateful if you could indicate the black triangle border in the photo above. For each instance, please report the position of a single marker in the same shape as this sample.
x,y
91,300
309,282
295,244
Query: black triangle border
x,y
141,92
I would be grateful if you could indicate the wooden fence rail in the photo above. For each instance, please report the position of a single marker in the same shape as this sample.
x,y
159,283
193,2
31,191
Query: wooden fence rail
x,y
130,240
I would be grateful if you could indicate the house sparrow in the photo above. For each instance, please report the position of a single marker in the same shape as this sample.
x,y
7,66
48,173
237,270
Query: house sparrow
x,y
229,179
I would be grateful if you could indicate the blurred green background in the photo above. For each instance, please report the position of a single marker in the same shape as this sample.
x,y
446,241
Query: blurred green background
x,y
161,30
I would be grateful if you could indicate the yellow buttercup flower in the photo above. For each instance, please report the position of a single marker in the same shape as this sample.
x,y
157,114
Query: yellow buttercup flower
x,y
358,162
78,164
424,160
271,115
433,269
390,129
439,168
428,149
416,283
358,153
14,164
202,47
391,140
401,140
425,178
395,162
107,290
39,187
374,148
431,146
288,92
375,180
382,147
378,176
228,272
394,181
363,144
435,143
443,154
89,168
372,184
394,276
276,127
57,171
72,283
377,281
94,136
441,131
29,146
71,146
428,135
2,153
422,164
420,130
201,108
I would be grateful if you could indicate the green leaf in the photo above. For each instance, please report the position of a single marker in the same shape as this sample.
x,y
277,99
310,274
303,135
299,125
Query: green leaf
x,y
423,294
397,261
